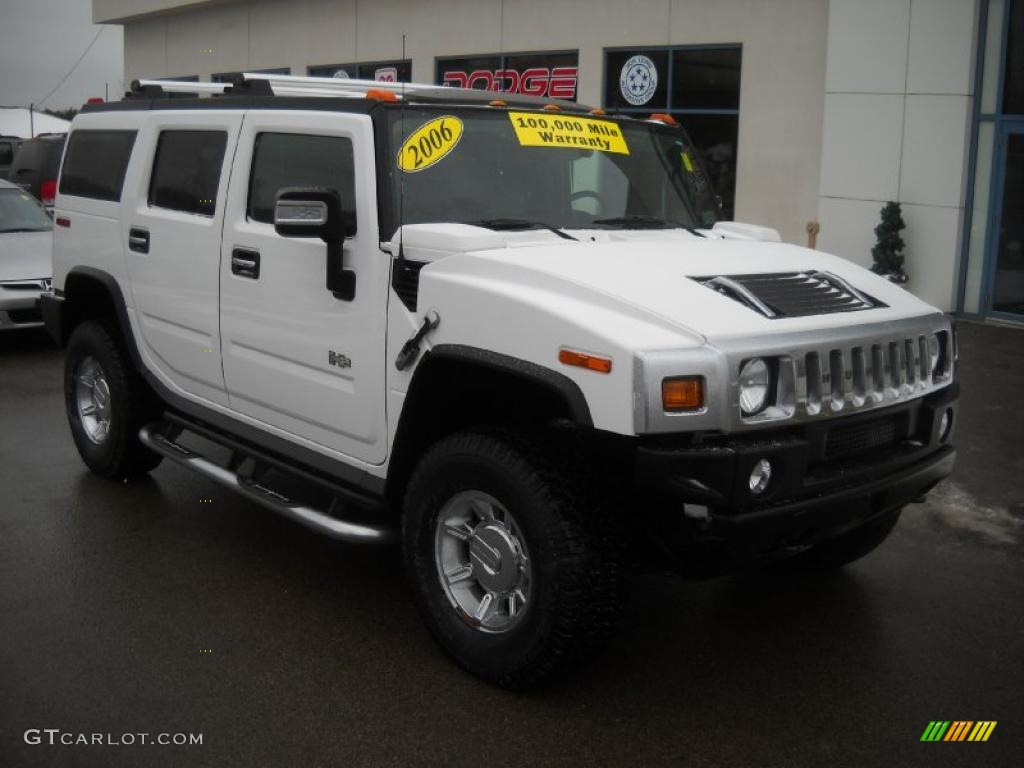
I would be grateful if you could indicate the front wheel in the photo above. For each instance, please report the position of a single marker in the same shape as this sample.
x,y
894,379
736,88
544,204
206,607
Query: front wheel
x,y
850,546
107,403
506,571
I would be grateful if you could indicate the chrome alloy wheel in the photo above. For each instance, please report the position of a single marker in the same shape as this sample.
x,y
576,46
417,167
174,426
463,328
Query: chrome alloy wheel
x,y
482,562
92,400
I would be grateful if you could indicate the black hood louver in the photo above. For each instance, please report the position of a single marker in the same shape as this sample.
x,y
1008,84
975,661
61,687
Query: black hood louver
x,y
792,294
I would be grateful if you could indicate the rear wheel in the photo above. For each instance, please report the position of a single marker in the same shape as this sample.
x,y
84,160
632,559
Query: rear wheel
x,y
107,403
506,570
850,546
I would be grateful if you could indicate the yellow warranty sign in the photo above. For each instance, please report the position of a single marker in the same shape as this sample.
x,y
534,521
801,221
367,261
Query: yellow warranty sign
x,y
554,130
430,143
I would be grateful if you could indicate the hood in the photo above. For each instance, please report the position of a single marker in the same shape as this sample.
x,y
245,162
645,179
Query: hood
x,y
26,255
652,271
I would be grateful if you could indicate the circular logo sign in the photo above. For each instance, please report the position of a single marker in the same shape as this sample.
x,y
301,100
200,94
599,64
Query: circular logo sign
x,y
638,80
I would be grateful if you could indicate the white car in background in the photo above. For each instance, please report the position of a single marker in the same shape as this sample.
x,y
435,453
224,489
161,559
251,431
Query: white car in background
x,y
26,257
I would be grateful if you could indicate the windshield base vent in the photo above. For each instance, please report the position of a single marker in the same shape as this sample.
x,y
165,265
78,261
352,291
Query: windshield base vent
x,y
792,294
405,279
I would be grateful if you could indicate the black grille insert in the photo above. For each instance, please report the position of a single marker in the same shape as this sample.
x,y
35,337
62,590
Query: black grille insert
x,y
405,279
19,316
792,294
852,439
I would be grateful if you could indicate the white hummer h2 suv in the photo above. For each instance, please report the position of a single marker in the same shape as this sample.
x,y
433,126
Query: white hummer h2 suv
x,y
513,332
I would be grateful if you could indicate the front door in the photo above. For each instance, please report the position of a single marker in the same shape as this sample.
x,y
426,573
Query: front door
x,y
172,237
1007,274
307,364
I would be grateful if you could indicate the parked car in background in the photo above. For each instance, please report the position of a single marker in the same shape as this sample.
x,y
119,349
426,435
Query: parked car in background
x,y
36,164
26,257
8,146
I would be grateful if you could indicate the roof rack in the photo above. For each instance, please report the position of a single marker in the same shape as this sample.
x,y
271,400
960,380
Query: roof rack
x,y
262,84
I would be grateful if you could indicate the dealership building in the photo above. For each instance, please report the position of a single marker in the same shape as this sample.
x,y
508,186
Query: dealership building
x,y
809,114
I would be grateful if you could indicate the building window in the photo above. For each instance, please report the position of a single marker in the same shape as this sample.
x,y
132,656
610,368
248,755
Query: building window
x,y
227,77
96,163
300,160
699,86
382,71
186,171
553,75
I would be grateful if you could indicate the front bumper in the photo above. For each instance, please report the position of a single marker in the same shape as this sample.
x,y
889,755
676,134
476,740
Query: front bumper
x,y
827,478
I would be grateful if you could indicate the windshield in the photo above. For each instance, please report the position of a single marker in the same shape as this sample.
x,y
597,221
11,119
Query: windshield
x,y
19,212
512,169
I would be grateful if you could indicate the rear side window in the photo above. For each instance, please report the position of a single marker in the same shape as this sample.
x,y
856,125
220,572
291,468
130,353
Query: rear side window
x,y
298,160
6,153
95,163
186,171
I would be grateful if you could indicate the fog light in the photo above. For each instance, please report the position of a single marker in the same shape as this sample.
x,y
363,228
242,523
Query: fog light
x,y
760,476
945,425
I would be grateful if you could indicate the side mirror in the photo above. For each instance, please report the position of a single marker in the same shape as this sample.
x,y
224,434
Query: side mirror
x,y
317,212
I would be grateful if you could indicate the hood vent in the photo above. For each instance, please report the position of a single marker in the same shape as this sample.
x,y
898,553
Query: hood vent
x,y
792,294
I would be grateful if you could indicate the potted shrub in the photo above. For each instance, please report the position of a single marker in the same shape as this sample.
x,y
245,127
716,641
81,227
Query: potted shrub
x,y
888,251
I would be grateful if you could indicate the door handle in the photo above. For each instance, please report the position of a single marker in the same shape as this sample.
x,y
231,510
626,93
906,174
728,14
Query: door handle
x,y
245,262
138,240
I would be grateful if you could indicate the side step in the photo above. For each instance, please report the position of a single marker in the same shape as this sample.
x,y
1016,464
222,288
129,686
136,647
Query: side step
x,y
161,438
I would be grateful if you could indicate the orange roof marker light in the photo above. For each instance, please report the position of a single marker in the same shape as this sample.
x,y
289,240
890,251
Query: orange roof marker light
x,y
662,117
583,360
497,103
551,108
379,94
597,111
682,393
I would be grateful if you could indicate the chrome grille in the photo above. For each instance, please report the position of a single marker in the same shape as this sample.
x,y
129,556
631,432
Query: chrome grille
x,y
792,294
855,376
27,285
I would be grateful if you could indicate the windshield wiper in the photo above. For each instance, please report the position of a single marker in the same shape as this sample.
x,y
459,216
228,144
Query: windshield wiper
x,y
638,221
518,224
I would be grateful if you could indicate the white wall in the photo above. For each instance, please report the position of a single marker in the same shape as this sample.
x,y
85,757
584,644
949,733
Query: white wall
x,y
898,101
780,94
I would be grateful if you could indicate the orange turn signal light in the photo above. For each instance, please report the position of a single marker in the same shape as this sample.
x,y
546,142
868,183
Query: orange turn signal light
x,y
583,360
682,393
379,94
497,103
597,111
551,108
662,117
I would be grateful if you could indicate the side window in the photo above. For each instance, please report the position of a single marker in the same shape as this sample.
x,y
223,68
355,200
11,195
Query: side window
x,y
298,160
95,163
6,153
186,171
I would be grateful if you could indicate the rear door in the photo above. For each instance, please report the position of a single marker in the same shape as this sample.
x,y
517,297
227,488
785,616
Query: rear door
x,y
295,357
172,233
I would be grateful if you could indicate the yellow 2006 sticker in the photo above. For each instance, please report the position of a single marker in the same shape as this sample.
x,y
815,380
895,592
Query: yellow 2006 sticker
x,y
430,143
553,130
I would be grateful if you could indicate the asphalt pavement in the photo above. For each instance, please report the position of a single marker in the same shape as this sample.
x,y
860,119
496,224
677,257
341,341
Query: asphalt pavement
x,y
172,606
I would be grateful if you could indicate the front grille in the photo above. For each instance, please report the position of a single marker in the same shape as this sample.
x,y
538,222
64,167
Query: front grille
x,y
888,370
20,316
853,439
792,294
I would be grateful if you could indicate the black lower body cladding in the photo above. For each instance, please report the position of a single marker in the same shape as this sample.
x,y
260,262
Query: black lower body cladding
x,y
827,479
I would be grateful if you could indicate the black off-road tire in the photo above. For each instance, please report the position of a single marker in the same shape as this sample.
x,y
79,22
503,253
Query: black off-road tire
x,y
575,589
850,546
119,455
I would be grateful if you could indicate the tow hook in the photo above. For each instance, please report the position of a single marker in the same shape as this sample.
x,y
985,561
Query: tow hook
x,y
411,348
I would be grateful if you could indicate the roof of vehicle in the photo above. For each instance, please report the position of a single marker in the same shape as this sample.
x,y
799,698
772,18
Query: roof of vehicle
x,y
258,91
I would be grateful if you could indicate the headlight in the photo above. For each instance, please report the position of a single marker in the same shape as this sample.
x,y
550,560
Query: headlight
x,y
755,383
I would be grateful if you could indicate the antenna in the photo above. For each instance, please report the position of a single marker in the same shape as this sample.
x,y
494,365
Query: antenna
x,y
401,176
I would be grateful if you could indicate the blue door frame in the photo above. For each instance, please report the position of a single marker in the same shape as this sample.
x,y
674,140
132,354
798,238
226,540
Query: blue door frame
x,y
1004,128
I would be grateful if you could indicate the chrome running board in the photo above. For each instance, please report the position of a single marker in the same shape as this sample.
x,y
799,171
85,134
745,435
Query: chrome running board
x,y
245,484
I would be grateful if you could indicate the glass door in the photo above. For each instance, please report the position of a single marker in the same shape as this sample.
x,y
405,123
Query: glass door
x,y
1007,278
